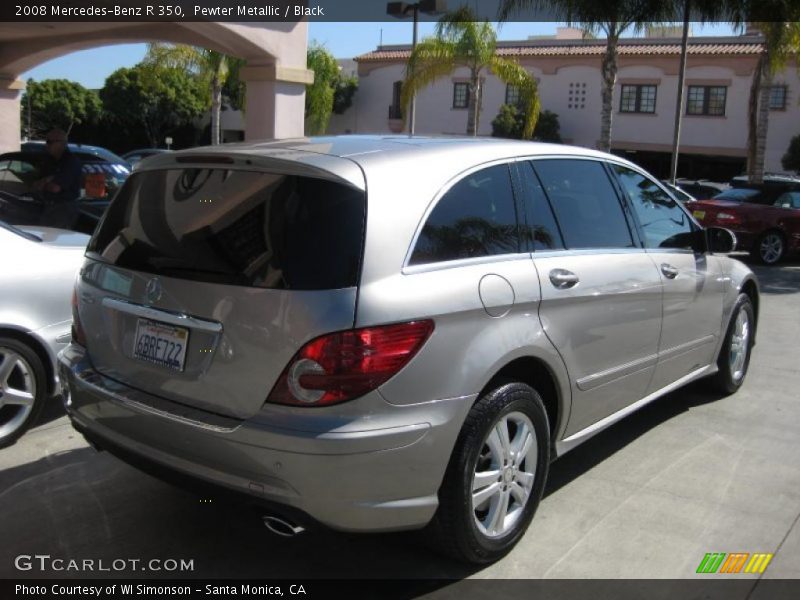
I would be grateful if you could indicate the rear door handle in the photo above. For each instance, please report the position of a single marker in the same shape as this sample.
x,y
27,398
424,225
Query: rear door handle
x,y
669,271
563,279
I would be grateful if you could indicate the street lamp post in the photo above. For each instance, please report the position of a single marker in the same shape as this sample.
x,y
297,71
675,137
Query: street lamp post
x,y
400,10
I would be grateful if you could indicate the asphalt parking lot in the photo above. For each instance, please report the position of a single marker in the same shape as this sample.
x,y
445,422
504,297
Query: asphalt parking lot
x,y
647,498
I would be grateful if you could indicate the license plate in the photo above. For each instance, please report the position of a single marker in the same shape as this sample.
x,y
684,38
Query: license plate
x,y
699,214
160,344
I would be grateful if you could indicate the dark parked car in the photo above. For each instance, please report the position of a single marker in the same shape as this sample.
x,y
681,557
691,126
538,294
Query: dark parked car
x,y
701,188
766,223
135,156
87,153
103,173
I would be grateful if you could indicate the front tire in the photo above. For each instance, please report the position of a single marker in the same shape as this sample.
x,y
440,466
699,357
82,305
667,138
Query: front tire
x,y
734,356
23,389
495,477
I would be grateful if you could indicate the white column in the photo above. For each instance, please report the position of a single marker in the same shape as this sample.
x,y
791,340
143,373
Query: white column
x,y
10,88
275,104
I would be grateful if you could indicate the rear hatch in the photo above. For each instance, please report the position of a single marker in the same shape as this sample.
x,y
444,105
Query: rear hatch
x,y
205,277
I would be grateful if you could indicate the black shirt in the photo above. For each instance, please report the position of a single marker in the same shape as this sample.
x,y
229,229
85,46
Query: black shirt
x,y
66,172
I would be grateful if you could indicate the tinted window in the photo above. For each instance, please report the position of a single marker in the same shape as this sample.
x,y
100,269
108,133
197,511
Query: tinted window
x,y
236,227
541,232
788,200
585,203
476,217
663,222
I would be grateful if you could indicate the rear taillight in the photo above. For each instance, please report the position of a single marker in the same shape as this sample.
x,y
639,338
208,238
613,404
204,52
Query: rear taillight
x,y
345,365
728,218
78,336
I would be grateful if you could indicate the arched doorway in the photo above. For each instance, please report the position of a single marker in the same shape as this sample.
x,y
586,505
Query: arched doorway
x,y
276,72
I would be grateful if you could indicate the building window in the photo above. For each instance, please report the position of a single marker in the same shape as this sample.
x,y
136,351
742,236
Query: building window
x,y
512,95
460,95
638,99
395,110
777,97
577,95
706,100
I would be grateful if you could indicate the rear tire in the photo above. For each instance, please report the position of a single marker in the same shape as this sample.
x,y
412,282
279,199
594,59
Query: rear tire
x,y
23,389
734,356
494,481
770,248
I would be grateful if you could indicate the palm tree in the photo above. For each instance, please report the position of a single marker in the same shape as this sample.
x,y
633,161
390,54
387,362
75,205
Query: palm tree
x,y
463,41
611,18
209,65
781,41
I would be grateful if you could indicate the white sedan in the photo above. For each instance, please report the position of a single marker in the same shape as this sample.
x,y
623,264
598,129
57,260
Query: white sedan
x,y
38,271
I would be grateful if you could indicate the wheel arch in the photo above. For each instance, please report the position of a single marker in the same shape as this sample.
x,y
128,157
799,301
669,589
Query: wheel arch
x,y
38,346
541,376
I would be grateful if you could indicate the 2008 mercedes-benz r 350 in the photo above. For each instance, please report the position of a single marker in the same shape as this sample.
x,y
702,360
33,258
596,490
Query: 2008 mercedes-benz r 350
x,y
388,333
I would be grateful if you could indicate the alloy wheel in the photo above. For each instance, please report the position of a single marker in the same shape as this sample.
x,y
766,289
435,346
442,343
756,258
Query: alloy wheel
x,y
740,346
504,475
17,391
771,248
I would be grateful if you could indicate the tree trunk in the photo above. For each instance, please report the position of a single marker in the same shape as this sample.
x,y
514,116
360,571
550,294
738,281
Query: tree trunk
x,y
216,108
608,71
473,105
758,118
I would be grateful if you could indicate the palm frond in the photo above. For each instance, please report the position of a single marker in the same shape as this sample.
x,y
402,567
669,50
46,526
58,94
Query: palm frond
x,y
432,59
512,73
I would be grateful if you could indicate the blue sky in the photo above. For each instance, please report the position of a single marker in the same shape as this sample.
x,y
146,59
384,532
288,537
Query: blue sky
x,y
345,40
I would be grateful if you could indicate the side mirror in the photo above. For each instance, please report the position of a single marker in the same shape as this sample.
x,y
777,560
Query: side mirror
x,y
720,241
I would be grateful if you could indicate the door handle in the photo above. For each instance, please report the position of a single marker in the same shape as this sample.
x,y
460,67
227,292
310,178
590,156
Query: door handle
x,y
563,279
669,271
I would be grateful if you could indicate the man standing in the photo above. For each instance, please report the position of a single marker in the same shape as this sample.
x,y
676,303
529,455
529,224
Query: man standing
x,y
61,187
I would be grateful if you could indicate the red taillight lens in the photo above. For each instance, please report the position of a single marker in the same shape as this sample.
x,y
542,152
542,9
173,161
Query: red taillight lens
x,y
728,218
78,336
345,365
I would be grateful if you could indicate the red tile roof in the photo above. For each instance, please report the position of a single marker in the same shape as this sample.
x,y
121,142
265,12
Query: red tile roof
x,y
594,48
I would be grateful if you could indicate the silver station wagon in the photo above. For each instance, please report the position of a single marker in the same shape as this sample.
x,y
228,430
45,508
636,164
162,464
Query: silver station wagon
x,y
393,333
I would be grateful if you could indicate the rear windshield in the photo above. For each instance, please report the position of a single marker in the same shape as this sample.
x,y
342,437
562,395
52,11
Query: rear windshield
x,y
739,195
235,227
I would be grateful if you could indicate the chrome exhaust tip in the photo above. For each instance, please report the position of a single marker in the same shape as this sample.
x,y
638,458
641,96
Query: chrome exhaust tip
x,y
282,527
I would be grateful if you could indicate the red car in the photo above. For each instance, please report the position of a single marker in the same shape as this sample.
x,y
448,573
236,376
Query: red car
x,y
766,226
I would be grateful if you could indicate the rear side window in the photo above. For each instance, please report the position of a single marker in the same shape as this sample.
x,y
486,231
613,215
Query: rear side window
x,y
476,217
236,227
585,203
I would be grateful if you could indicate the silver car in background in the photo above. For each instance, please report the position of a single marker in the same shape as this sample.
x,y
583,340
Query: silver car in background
x,y
391,333
37,277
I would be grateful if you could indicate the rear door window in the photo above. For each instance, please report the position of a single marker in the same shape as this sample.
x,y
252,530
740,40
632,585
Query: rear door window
x,y
585,203
541,230
476,217
236,227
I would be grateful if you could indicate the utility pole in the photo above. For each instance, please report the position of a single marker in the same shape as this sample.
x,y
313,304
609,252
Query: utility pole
x,y
673,172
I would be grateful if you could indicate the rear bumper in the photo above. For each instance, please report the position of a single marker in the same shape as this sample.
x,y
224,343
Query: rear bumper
x,y
375,478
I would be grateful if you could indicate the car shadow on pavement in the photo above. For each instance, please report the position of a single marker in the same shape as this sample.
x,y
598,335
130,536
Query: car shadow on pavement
x,y
597,449
52,410
84,504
